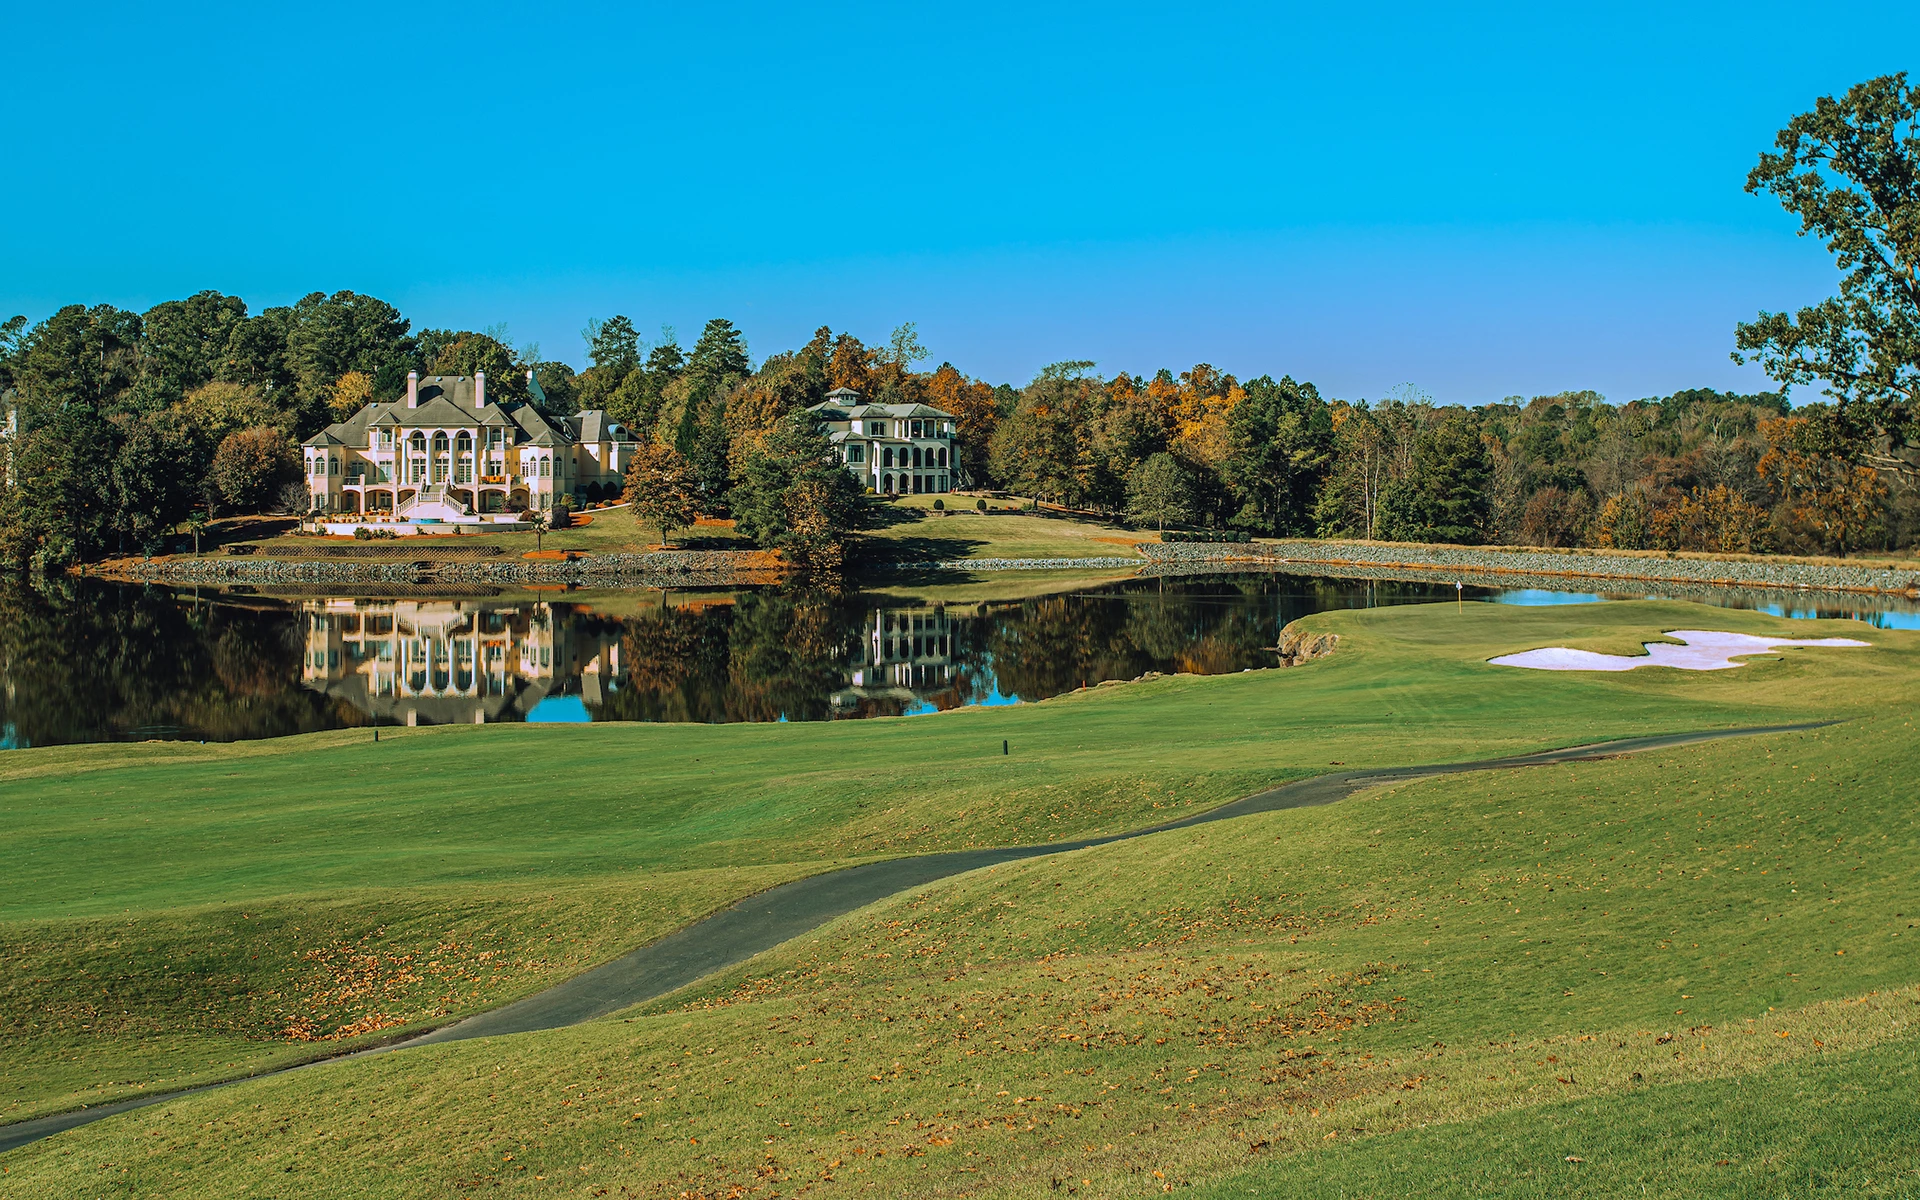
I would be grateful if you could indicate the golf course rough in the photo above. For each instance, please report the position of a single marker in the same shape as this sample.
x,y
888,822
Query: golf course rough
x,y
1177,1009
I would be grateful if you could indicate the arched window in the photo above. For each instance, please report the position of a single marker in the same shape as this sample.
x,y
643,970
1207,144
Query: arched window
x,y
943,456
887,460
888,485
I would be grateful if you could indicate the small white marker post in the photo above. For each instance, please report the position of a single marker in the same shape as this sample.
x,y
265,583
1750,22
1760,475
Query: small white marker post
x,y
1460,597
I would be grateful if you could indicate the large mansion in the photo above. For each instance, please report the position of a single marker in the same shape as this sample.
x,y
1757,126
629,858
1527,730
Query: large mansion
x,y
446,445
893,449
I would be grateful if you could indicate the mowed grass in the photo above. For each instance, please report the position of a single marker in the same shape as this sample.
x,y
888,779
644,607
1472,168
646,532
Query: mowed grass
x,y
1835,1124
1694,937
913,532
1140,963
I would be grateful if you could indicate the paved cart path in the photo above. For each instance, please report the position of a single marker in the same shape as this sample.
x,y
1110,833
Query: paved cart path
x,y
763,921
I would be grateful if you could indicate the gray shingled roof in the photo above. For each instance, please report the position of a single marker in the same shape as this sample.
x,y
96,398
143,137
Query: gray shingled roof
x,y
594,425
837,412
458,389
534,425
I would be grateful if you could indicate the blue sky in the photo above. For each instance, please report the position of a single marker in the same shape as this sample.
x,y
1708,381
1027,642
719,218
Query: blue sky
x,y
1480,201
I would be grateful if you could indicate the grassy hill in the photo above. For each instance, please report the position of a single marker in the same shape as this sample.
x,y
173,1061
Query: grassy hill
x,y
1468,979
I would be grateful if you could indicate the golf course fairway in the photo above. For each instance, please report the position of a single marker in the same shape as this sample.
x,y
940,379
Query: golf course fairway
x,y
1492,978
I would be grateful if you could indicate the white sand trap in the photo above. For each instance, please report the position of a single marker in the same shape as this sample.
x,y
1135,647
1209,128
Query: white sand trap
x,y
1705,650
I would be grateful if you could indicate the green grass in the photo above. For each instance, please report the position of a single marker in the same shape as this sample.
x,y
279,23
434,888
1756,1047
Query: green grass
x,y
1438,954
1834,1125
915,533
93,1009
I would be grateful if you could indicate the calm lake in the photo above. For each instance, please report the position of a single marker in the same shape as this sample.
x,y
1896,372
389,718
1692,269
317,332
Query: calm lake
x,y
85,661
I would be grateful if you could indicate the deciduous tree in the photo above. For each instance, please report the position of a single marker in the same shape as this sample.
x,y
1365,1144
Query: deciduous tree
x,y
1850,171
1824,496
1159,493
351,392
251,467
663,489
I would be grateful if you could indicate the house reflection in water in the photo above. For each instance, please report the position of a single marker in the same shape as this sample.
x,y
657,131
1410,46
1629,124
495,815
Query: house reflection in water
x,y
904,656
447,662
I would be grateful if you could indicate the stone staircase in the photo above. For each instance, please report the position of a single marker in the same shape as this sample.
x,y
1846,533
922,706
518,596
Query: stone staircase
x,y
436,494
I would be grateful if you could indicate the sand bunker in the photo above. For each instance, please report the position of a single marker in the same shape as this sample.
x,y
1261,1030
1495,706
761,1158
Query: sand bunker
x,y
1705,650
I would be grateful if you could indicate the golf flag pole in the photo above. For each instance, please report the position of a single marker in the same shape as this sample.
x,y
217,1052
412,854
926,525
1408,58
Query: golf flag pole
x,y
1460,597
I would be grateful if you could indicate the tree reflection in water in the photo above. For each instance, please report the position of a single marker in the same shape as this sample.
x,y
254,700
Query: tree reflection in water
x,y
89,661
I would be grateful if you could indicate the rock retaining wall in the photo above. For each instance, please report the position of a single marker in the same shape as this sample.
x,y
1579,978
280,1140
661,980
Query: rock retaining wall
x,y
666,568
1560,566
1021,564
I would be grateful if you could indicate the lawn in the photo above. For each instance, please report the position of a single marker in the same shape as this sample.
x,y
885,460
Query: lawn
x,y
1428,959
911,531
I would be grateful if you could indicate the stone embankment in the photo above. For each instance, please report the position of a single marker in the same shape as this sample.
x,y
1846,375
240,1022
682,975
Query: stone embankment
x,y
1399,560
665,568
1021,564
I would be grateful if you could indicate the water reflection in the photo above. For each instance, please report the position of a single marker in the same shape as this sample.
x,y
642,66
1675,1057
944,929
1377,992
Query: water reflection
x,y
444,662
85,661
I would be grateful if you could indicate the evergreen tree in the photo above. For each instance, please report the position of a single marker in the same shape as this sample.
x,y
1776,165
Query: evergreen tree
x,y
720,353
1444,498
793,496
613,345
1280,438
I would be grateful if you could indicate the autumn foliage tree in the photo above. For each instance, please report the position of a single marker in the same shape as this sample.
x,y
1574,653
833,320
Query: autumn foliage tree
x,y
1826,499
251,468
663,489
1716,519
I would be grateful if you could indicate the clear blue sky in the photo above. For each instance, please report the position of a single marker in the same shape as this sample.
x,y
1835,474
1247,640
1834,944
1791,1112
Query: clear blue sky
x,y
1481,202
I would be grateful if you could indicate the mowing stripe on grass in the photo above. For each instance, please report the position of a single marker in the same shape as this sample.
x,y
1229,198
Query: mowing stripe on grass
x,y
763,921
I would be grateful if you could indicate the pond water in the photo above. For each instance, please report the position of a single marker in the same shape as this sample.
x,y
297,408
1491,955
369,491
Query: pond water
x,y
85,661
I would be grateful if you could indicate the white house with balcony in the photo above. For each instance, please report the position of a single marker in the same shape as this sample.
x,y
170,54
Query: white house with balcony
x,y
892,449
445,453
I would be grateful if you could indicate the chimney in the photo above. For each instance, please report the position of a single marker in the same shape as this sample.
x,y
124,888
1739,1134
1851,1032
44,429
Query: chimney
x,y
413,389
479,389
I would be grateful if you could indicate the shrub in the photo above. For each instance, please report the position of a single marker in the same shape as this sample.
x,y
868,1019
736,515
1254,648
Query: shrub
x,y
363,534
939,506
981,504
